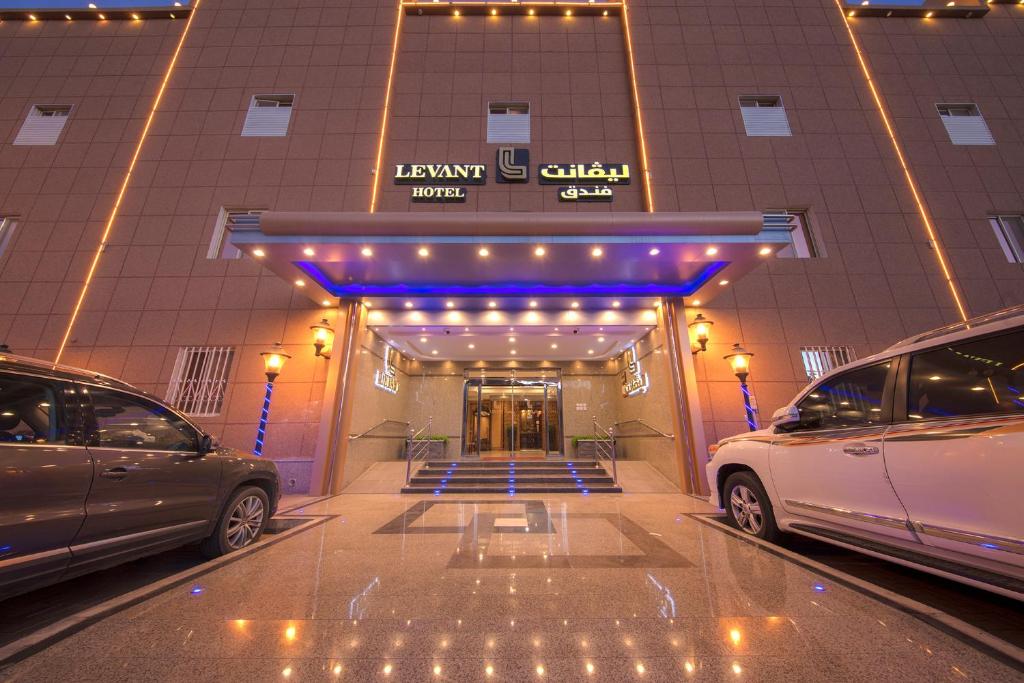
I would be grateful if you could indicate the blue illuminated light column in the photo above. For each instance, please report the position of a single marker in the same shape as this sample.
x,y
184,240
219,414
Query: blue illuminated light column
x,y
739,360
273,361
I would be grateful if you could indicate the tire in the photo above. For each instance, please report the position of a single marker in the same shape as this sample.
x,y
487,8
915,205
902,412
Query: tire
x,y
241,522
751,512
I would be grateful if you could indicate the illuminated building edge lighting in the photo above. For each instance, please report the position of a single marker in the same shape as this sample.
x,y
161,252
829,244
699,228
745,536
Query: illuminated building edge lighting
x,y
525,289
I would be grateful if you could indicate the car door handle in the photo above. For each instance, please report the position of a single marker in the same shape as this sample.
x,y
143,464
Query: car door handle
x,y
114,473
860,449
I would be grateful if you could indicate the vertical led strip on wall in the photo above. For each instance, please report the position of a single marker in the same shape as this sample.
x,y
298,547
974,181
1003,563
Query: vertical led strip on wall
x,y
644,168
929,228
387,108
105,236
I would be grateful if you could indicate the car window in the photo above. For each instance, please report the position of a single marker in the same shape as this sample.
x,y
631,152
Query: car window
x,y
851,399
126,421
29,411
976,377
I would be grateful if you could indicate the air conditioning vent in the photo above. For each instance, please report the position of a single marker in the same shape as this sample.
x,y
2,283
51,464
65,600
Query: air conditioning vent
x,y
43,124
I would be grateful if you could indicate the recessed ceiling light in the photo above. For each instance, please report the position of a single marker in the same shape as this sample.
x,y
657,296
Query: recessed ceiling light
x,y
511,340
539,251
300,283
423,340
597,252
575,304
449,304
600,339
765,251
696,302
654,251
471,346
325,302
554,346
723,282
616,303
259,253
367,252
423,252
308,251
590,351
533,304
408,304
484,252
434,352
513,352
711,251
492,304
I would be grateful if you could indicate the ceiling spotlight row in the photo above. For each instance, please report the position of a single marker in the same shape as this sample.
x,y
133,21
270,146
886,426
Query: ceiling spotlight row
x,y
484,252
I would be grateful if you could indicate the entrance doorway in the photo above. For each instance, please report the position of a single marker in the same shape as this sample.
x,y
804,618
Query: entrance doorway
x,y
512,414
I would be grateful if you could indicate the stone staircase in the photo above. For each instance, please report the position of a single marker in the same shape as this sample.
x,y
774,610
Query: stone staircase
x,y
510,477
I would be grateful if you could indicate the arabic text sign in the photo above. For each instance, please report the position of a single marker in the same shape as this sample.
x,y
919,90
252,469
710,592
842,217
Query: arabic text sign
x,y
596,173
596,193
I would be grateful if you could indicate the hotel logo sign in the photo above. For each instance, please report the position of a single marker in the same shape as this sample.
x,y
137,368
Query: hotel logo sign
x,y
386,377
440,183
634,379
513,165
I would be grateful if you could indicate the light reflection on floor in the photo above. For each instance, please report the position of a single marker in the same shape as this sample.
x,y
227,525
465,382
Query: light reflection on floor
x,y
537,588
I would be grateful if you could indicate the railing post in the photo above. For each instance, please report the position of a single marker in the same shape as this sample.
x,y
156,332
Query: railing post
x,y
615,469
408,457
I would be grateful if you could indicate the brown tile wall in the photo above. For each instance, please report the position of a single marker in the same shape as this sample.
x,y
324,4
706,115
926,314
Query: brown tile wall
x,y
156,290
572,71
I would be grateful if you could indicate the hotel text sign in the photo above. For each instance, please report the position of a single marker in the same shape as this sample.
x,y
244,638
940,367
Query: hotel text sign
x,y
593,182
385,377
634,379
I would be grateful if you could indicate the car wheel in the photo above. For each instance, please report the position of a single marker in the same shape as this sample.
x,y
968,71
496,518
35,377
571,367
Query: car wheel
x,y
241,523
748,507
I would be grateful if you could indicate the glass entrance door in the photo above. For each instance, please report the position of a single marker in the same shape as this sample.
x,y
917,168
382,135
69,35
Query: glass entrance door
x,y
512,413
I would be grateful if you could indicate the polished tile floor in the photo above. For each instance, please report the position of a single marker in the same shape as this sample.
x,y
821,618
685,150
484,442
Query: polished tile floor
x,y
490,588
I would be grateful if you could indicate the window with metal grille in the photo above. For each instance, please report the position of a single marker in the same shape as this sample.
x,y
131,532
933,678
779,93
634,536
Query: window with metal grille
x,y
965,124
268,116
6,233
43,124
802,242
821,359
508,122
1010,233
764,116
200,379
229,220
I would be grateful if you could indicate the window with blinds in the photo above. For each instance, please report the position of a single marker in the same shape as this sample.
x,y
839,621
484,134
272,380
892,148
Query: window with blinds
x,y
819,360
508,122
268,116
6,233
802,242
229,220
764,116
43,125
965,124
1010,233
200,379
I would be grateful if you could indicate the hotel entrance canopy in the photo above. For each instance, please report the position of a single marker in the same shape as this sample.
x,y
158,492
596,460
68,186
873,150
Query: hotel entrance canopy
x,y
390,258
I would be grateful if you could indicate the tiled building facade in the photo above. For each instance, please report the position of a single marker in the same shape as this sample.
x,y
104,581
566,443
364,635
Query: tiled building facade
x,y
875,276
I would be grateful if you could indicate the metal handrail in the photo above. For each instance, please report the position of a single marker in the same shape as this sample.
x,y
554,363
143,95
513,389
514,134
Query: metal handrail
x,y
605,439
657,432
353,437
410,446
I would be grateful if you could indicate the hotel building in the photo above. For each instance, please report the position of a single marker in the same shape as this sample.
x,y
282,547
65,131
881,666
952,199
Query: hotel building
x,y
500,220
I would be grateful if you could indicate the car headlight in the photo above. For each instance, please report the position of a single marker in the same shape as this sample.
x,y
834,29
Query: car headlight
x,y
712,449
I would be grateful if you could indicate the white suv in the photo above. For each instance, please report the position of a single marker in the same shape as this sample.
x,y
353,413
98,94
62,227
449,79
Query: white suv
x,y
914,455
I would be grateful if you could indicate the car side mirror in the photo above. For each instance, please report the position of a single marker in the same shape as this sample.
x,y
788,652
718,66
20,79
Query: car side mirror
x,y
205,444
785,417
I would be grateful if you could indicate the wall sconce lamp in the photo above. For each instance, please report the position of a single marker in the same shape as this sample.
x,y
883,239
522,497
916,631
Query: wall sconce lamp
x,y
701,327
739,361
323,338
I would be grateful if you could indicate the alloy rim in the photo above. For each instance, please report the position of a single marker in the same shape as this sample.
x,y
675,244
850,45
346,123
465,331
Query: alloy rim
x,y
746,509
245,522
